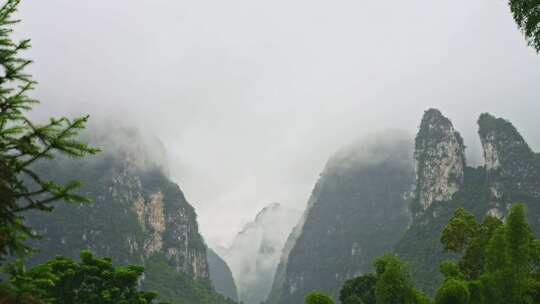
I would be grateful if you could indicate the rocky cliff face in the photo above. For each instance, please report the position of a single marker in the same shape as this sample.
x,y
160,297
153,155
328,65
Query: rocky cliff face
x,y
137,214
221,276
358,210
439,161
511,166
255,252
510,174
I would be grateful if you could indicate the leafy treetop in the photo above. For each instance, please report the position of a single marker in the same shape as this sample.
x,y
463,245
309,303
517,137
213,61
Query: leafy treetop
x,y
500,261
93,280
316,297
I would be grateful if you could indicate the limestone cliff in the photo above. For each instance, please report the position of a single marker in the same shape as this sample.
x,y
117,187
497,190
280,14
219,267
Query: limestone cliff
x,y
439,161
511,165
510,174
137,214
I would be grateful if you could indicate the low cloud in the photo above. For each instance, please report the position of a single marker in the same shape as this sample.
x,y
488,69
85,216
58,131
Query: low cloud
x,y
251,98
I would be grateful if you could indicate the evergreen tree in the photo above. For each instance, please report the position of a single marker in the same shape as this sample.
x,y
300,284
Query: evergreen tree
x,y
24,142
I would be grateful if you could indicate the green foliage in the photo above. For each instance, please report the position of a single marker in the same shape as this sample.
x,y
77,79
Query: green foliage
x,y
394,283
316,297
463,232
450,270
360,290
458,232
177,287
453,291
93,280
23,143
527,16
500,262
391,284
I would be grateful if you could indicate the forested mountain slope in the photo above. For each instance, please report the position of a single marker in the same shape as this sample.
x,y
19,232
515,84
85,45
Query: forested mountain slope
x,y
137,215
358,210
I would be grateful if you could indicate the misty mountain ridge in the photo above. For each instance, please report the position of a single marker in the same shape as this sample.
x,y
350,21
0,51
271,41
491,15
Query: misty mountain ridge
x,y
357,211
333,242
254,253
133,134
385,193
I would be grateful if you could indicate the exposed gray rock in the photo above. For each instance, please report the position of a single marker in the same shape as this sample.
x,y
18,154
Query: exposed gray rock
x,y
510,163
439,161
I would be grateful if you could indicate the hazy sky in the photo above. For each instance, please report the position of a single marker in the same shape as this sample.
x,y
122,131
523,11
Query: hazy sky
x,y
251,97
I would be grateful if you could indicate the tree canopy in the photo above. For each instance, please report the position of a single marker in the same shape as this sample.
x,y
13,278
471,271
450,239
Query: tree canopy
x,y
316,297
499,263
93,280
390,284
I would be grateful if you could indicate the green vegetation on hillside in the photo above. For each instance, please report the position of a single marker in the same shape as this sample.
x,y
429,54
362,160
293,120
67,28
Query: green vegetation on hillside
x,y
359,212
176,287
93,280
420,247
391,283
499,263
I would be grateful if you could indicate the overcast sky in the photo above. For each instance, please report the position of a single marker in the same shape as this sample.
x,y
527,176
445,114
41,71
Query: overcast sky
x,y
251,97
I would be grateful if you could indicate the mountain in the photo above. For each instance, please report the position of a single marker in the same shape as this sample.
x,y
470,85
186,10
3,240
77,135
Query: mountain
x,y
510,174
357,211
221,276
254,253
137,215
